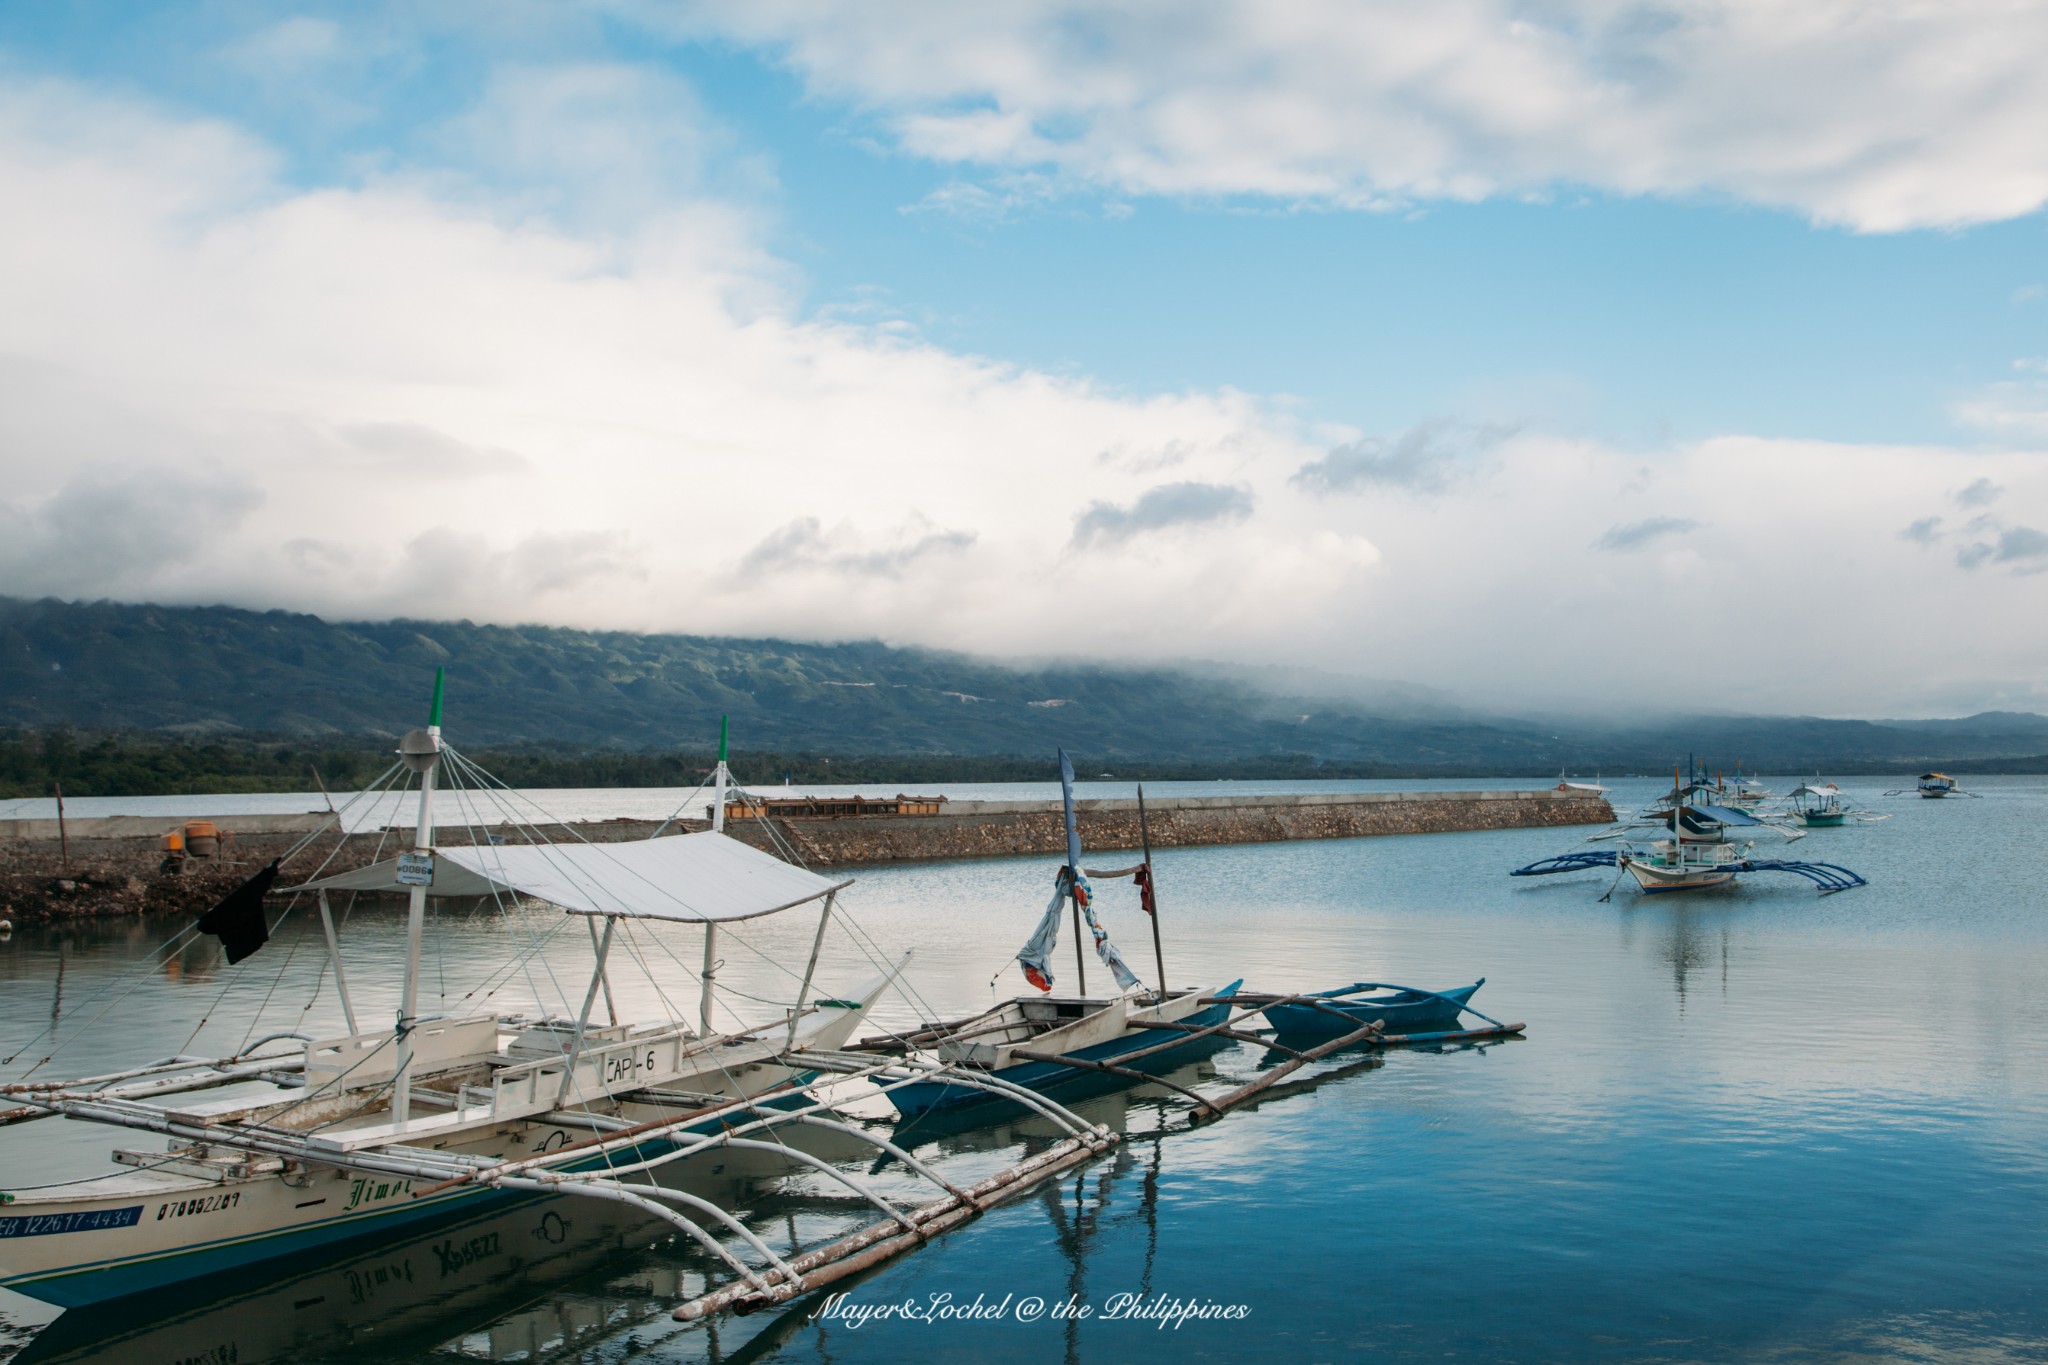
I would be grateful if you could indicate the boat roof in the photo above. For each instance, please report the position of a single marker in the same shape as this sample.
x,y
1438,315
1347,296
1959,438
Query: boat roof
x,y
1727,815
697,878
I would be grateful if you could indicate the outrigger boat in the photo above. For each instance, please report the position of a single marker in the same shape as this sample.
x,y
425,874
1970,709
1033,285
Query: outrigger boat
x,y
367,1132
1398,1009
1934,786
1700,852
1039,1041
1819,805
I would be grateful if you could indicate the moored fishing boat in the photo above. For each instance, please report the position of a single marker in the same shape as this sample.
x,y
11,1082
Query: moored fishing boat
x,y
1398,1009
359,1134
1700,852
1934,786
1040,1041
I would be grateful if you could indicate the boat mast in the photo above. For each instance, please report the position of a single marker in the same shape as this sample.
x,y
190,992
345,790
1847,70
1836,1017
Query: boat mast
x,y
710,973
1152,890
421,751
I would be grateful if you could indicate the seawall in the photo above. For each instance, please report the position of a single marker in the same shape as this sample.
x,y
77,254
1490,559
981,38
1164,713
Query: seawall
x,y
115,865
995,829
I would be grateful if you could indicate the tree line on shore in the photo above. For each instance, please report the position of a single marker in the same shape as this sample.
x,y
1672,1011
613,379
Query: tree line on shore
x,y
37,763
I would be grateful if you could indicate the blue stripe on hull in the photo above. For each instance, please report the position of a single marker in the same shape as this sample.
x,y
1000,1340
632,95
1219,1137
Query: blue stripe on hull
x,y
100,1284
925,1096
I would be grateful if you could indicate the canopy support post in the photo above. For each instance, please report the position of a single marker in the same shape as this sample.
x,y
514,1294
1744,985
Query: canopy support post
x,y
710,974
817,944
422,753
604,946
719,778
348,1011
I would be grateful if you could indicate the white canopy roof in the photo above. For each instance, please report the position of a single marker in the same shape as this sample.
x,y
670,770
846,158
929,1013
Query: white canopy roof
x,y
690,877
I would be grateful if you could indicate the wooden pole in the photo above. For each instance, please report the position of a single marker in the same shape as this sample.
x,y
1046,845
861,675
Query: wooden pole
x,y
1151,891
63,839
1080,958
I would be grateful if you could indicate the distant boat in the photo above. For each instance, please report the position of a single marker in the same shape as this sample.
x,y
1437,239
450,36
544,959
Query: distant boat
x,y
1934,786
1592,788
1742,792
1819,805
1698,854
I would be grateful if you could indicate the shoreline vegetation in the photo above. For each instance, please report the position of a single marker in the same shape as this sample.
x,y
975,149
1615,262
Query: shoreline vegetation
x,y
35,763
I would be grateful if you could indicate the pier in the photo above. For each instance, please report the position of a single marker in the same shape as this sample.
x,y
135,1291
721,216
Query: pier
x,y
114,865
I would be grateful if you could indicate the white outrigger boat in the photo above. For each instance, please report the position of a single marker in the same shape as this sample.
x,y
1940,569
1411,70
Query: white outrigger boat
x,y
1934,786
1700,853
359,1135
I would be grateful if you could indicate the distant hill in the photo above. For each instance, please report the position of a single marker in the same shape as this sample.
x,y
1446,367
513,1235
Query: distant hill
x,y
219,671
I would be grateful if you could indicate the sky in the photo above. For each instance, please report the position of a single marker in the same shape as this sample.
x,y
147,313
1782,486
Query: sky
x,y
1574,354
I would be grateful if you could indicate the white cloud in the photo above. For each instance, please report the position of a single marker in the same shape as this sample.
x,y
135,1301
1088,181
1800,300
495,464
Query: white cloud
x,y
2011,409
1880,115
405,399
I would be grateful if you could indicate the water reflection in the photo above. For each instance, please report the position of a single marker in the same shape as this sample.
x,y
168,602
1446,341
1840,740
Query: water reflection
x,y
1655,1174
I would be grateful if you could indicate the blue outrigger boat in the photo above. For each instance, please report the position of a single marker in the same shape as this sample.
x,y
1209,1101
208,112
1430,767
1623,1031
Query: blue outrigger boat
x,y
1037,1042
1005,1043
1402,1009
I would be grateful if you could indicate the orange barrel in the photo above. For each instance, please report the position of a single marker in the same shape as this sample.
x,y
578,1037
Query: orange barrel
x,y
202,838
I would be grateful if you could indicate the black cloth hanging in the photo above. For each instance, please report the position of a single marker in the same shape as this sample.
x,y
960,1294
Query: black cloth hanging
x,y
238,920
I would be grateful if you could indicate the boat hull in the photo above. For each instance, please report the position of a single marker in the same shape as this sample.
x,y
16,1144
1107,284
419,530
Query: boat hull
x,y
1655,880
922,1097
1409,1012
131,1233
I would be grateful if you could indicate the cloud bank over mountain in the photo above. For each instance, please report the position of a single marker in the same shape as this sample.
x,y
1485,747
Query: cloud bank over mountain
x,y
539,364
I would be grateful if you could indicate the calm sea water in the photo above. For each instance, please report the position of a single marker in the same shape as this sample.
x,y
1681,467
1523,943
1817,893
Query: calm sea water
x,y
1749,1124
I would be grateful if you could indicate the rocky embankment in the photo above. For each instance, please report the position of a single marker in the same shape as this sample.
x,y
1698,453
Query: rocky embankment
x,y
118,866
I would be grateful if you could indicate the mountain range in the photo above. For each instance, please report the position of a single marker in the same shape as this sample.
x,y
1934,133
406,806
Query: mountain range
x,y
217,672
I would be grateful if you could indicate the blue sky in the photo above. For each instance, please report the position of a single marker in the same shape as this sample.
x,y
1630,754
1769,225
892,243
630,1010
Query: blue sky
x,y
915,299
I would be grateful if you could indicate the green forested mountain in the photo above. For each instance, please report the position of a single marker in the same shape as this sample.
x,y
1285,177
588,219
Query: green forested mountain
x,y
189,674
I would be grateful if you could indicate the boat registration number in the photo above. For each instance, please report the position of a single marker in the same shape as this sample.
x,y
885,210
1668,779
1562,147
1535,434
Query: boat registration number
x,y
415,869
89,1220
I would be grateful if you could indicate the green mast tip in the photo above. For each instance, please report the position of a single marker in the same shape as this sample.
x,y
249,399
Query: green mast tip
x,y
721,738
440,682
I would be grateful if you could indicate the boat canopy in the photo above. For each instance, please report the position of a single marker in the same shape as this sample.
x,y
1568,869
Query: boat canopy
x,y
1727,815
696,878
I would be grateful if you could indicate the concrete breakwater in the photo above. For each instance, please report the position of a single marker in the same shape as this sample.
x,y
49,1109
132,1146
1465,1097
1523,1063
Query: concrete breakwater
x,y
994,829
115,865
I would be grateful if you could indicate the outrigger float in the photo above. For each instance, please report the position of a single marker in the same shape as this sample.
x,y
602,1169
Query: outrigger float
x,y
381,1132
1699,853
